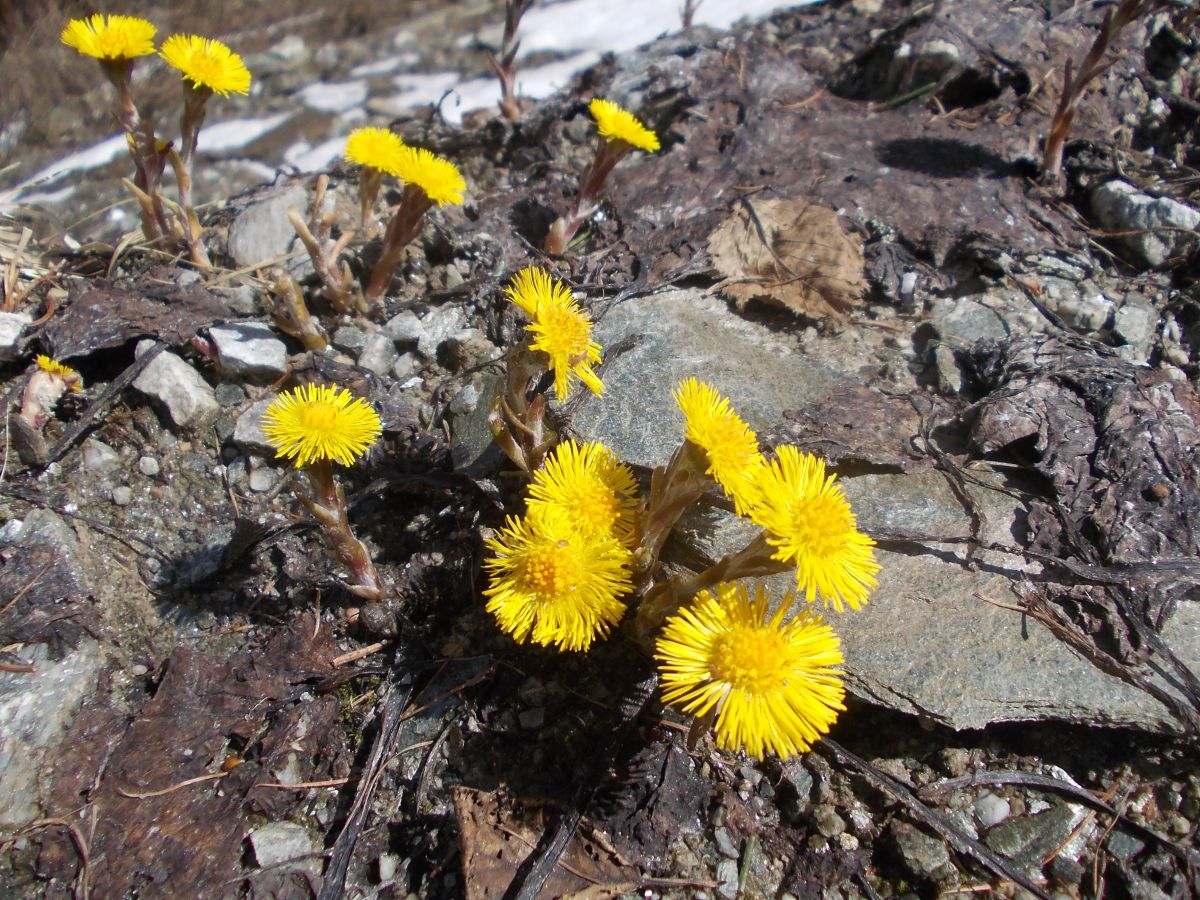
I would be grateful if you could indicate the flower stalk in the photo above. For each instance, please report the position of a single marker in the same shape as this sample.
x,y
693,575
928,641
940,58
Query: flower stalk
x,y
622,132
338,284
317,426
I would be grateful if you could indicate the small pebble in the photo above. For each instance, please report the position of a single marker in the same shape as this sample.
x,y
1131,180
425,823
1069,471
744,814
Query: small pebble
x,y
148,466
262,479
122,495
991,810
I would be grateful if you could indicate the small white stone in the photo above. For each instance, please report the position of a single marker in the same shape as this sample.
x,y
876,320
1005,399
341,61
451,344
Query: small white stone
x,y
11,326
99,457
189,400
263,479
378,353
248,432
148,466
122,495
991,810
249,350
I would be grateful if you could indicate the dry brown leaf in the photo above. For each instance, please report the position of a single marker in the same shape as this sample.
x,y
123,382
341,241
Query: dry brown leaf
x,y
497,832
791,253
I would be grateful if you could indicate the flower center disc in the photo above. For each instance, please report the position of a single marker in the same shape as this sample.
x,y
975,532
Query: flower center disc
x,y
553,571
749,659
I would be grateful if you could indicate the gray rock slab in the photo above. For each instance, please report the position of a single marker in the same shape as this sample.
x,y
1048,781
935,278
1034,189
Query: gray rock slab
x,y
1164,227
248,433
262,231
926,643
437,325
680,334
250,351
35,711
187,397
1135,324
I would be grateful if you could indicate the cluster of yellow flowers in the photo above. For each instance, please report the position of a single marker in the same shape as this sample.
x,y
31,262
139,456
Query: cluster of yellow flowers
x,y
565,573
206,67
206,63
562,574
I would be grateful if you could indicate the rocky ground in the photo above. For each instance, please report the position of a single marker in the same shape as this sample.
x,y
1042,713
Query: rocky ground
x,y
845,232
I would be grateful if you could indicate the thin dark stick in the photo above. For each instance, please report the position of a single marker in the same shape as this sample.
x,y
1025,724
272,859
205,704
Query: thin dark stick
x,y
1030,779
536,868
392,705
958,839
84,422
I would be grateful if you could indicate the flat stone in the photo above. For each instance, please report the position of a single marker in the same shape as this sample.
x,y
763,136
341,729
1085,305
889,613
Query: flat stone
x,y
437,325
405,328
349,338
378,353
36,709
1031,839
277,843
925,644
262,231
1134,325
248,433
11,327
1164,227
122,495
680,334
188,399
924,856
148,466
250,351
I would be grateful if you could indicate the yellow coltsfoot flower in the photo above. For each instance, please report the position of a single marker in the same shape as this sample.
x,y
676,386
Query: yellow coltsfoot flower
x,y
618,124
71,378
375,148
560,329
320,422
728,442
589,488
807,519
773,686
110,37
207,63
554,585
437,177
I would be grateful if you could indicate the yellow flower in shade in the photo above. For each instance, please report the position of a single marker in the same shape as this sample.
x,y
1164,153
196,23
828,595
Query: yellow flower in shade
x,y
554,585
727,441
774,685
70,377
808,520
438,178
110,37
377,148
207,63
589,487
316,422
560,329
617,124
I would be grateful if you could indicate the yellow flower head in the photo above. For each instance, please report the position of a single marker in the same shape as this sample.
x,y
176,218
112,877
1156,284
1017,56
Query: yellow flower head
x,y
316,422
775,685
377,148
727,441
70,377
438,178
553,585
617,124
808,520
207,63
110,37
559,327
586,485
